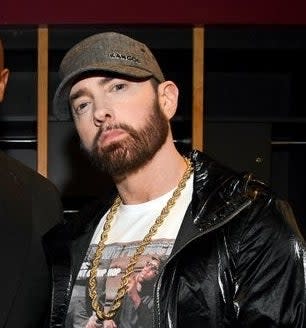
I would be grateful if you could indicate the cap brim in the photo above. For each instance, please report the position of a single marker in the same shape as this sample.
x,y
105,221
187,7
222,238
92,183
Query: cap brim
x,y
61,107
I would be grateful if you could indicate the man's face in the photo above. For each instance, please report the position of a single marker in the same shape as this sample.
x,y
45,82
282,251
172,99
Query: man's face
x,y
119,122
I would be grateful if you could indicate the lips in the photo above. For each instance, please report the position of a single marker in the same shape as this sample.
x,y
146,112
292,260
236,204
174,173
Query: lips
x,y
110,135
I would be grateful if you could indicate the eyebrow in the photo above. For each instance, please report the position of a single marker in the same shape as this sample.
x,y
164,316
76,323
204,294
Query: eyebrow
x,y
83,91
77,94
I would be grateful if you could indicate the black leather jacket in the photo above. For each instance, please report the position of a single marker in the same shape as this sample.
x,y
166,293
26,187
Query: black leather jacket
x,y
237,260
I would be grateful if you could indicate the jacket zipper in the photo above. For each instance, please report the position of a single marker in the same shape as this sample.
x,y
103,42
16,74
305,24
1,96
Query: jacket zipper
x,y
156,312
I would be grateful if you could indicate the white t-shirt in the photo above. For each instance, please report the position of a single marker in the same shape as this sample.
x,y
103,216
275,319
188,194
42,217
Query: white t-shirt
x,y
128,228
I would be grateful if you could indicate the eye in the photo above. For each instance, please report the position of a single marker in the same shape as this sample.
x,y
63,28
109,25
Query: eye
x,y
119,86
81,108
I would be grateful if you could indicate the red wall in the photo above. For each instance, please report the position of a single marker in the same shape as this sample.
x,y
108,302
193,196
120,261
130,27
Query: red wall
x,y
153,12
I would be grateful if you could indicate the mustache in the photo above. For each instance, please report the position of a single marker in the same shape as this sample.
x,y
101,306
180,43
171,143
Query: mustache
x,y
109,127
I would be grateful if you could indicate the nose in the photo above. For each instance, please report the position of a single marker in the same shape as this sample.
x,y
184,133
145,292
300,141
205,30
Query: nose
x,y
102,112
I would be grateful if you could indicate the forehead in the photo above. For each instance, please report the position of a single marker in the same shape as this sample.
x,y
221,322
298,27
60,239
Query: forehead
x,y
85,80
91,79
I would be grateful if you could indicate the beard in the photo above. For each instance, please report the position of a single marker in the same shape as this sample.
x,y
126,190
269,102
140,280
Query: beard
x,y
137,149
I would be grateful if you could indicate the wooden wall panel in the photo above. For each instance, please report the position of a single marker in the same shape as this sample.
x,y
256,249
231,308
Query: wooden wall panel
x,y
198,88
42,101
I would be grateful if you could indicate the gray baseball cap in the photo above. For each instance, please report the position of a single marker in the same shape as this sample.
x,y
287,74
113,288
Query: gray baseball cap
x,y
108,52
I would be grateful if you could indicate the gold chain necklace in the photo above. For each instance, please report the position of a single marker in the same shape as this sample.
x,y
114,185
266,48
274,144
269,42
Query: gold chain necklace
x,y
96,305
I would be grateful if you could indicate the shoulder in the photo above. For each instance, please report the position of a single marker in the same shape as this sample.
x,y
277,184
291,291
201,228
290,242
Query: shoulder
x,y
263,235
268,216
25,176
265,218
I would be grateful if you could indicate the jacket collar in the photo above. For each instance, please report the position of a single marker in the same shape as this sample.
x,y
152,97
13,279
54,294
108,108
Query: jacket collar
x,y
221,193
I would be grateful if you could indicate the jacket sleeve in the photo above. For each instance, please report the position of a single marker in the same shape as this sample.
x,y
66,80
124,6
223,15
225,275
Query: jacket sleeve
x,y
270,272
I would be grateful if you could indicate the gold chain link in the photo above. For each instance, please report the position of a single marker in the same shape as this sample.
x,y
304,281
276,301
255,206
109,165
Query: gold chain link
x,y
96,305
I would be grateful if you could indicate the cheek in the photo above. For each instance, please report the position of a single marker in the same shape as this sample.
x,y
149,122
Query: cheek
x,y
137,114
86,133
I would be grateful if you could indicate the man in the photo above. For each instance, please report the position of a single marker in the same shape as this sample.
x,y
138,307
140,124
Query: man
x,y
231,257
29,207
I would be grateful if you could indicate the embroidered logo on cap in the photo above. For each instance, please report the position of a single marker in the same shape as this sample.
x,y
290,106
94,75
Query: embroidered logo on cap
x,y
116,55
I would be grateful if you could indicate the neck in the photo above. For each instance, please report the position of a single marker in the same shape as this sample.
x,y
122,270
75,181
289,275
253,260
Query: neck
x,y
157,177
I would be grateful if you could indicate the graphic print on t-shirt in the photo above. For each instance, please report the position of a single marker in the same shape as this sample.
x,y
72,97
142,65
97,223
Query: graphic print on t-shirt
x,y
129,227
136,307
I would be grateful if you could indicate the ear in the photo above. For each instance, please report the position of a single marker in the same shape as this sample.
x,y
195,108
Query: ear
x,y
4,75
168,98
